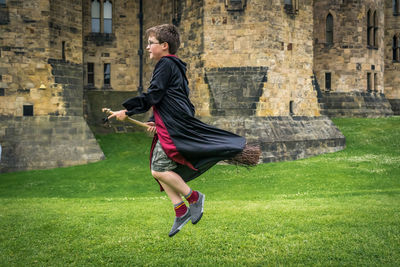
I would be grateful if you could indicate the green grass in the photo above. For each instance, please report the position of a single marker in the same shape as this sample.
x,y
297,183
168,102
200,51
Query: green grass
x,y
335,209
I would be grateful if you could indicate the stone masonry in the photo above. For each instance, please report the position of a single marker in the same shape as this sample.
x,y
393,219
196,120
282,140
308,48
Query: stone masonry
x,y
355,85
41,100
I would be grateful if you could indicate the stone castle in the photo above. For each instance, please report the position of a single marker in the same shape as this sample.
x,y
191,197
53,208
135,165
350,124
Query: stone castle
x,y
272,71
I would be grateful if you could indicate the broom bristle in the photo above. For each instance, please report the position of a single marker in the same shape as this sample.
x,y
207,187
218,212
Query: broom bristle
x,y
250,156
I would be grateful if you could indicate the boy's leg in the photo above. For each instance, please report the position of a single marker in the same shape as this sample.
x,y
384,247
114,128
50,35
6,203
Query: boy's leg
x,y
173,180
195,198
181,211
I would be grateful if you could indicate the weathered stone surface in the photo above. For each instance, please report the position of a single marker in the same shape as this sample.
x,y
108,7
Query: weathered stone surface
x,y
355,104
284,137
43,142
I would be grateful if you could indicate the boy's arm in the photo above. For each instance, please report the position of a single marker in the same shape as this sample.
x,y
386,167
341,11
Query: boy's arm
x,y
158,87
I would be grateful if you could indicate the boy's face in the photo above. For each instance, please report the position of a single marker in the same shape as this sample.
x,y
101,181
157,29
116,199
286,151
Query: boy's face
x,y
156,50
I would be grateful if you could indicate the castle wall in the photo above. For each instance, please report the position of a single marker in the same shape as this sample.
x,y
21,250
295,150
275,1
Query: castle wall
x,y
348,58
119,48
264,36
41,85
354,65
392,68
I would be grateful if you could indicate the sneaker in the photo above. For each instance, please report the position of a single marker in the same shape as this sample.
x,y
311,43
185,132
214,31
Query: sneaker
x,y
179,222
196,209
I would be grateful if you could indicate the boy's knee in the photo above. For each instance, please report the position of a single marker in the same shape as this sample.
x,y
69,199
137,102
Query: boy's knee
x,y
156,174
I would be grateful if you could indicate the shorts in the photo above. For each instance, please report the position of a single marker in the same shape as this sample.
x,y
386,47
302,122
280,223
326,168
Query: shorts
x,y
160,161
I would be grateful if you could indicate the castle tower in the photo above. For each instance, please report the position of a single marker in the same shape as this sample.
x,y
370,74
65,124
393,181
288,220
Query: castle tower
x,y
392,54
41,94
349,48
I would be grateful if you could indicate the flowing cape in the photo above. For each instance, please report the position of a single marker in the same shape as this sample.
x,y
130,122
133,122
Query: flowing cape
x,y
194,145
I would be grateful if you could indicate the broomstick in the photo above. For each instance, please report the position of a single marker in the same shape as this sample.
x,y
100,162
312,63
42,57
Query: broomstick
x,y
249,156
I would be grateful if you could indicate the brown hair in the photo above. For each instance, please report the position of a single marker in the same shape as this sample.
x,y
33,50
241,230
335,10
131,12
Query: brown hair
x,y
166,33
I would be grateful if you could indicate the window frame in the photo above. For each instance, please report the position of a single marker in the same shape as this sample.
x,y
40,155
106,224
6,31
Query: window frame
x,y
90,74
330,31
108,84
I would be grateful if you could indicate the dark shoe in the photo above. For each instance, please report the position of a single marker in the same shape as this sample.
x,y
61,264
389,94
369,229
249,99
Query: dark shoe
x,y
196,209
179,222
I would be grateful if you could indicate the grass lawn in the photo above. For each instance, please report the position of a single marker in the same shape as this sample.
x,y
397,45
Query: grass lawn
x,y
335,209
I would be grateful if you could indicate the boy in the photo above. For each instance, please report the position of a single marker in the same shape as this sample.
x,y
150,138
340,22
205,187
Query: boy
x,y
183,147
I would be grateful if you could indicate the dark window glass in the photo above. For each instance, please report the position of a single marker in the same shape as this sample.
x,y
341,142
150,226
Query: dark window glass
x,y
90,74
329,29
2,92
394,48
369,28
291,107
63,50
375,30
107,74
328,82
28,110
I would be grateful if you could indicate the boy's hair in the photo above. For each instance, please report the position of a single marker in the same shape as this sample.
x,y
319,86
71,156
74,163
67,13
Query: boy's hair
x,y
166,33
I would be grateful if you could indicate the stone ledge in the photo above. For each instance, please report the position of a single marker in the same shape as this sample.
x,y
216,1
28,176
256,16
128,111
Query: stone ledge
x,y
354,104
42,142
285,138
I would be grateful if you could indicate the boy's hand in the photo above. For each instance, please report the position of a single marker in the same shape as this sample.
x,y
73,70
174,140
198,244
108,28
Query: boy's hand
x,y
119,115
152,127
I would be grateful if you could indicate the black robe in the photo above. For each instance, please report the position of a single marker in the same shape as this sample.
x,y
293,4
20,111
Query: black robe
x,y
194,145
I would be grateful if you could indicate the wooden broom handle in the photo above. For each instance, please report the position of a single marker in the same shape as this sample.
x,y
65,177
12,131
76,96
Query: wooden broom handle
x,y
142,124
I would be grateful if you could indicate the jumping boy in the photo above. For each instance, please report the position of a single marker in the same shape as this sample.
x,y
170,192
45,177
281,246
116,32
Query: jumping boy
x,y
183,147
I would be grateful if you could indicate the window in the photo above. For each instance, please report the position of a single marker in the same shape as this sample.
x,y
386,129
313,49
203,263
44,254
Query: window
x,y
63,50
28,110
396,48
95,16
329,29
107,74
107,17
375,82
291,103
328,82
369,82
396,7
101,11
369,28
372,29
375,38
2,92
90,74
292,6
3,2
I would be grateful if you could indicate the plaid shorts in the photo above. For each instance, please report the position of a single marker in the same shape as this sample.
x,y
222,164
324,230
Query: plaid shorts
x,y
160,161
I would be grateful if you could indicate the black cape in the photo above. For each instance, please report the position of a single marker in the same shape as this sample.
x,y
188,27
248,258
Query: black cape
x,y
194,145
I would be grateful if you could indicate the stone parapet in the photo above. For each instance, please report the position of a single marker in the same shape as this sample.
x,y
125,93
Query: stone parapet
x,y
43,142
355,104
284,138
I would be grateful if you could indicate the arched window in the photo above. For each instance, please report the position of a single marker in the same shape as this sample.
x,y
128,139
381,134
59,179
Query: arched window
x,y
95,10
375,38
107,17
369,28
329,29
